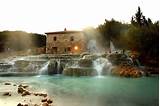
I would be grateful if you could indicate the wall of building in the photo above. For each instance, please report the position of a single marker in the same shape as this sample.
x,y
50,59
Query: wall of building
x,y
60,43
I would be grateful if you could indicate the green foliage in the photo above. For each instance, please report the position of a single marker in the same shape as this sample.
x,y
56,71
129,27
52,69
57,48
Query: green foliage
x,y
139,20
112,30
145,37
142,36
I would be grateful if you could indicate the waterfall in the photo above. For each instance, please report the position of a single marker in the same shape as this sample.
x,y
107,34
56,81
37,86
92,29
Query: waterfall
x,y
8,64
112,48
44,68
100,64
58,66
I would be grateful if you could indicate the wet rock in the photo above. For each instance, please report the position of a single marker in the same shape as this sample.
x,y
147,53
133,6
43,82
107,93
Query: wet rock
x,y
7,83
118,59
43,94
23,91
103,55
85,63
20,90
90,57
6,94
5,66
127,71
83,54
35,94
26,93
21,63
44,100
40,94
55,67
23,86
36,105
49,101
19,104
45,104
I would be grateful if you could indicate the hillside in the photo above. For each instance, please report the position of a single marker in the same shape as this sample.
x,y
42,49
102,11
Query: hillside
x,y
19,40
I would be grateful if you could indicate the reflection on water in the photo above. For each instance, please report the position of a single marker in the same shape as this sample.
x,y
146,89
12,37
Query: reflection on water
x,y
94,91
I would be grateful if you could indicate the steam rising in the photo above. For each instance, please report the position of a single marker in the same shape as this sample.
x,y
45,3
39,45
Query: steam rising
x,y
96,43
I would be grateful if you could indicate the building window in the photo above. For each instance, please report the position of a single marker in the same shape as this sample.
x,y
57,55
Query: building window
x,y
72,38
69,49
55,38
65,50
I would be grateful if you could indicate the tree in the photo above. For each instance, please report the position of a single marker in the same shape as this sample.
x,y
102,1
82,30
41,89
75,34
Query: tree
x,y
19,40
139,19
144,37
112,30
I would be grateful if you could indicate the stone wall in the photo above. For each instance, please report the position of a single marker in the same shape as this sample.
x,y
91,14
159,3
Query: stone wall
x,y
69,42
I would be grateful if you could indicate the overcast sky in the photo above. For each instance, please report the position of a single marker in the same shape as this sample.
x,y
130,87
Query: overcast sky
x,y
54,15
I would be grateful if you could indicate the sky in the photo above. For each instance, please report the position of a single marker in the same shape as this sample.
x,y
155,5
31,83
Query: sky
x,y
40,16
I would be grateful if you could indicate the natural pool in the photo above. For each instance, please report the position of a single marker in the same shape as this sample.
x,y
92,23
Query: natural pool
x,y
94,91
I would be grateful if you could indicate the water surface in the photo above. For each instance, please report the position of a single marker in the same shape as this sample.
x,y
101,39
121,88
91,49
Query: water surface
x,y
95,91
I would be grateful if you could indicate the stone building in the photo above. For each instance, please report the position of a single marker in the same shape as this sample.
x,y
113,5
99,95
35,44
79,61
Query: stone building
x,y
65,42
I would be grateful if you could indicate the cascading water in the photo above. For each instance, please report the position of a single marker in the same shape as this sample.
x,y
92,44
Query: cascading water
x,y
38,65
12,61
74,64
112,47
58,66
100,64
44,68
23,65
8,65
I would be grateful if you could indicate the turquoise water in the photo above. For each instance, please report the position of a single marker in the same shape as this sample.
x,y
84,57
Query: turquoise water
x,y
94,91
